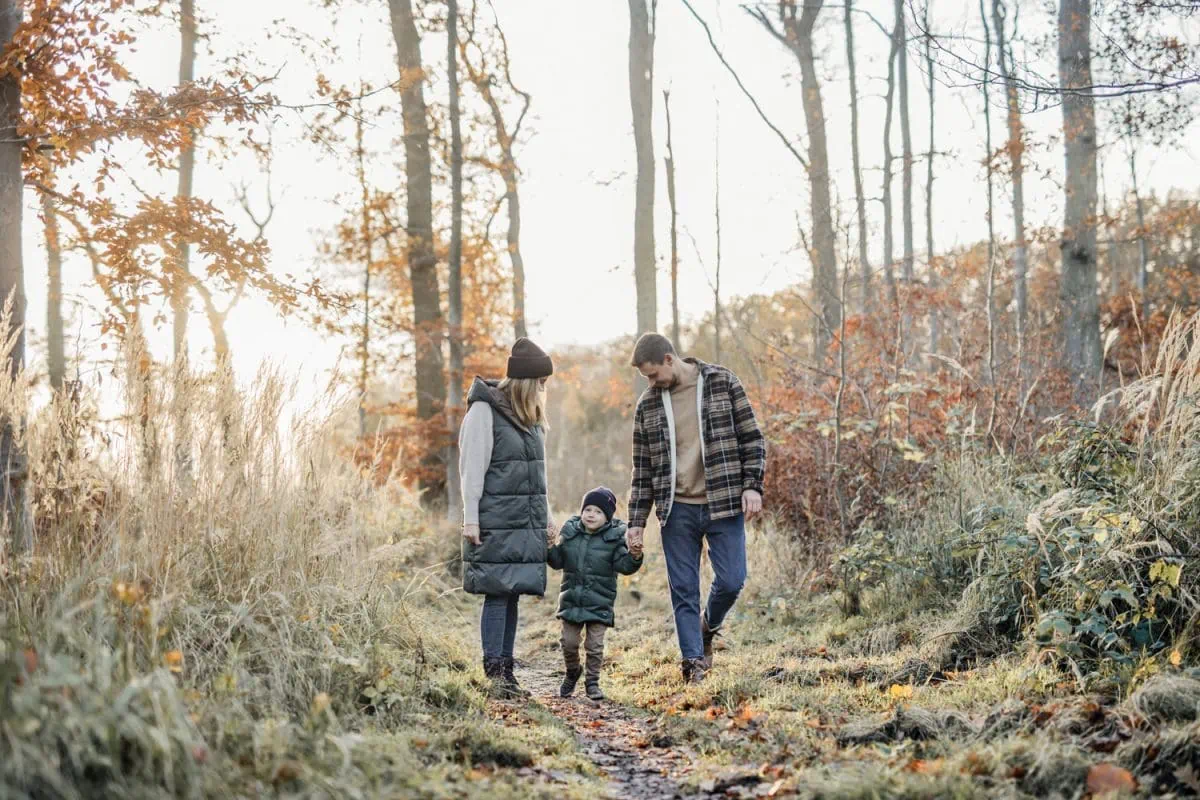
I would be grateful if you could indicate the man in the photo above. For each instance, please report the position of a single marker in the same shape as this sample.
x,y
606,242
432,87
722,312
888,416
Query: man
x,y
699,456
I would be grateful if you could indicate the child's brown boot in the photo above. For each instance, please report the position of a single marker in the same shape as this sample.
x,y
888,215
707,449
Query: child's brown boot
x,y
568,685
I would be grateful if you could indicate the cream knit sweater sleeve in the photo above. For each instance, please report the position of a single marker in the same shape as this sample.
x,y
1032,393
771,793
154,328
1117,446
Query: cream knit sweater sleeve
x,y
474,456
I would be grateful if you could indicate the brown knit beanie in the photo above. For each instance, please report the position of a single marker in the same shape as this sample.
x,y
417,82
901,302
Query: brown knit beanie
x,y
529,361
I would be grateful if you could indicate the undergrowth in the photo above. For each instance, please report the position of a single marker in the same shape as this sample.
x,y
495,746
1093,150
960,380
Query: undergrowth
x,y
231,608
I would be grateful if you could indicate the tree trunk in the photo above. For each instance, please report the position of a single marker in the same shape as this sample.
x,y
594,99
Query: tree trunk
x,y
454,395
991,240
825,283
180,290
935,320
718,314
1081,320
641,87
1143,278
797,36
365,342
483,82
513,201
422,261
1015,149
187,168
860,200
889,247
906,145
670,164
12,284
55,345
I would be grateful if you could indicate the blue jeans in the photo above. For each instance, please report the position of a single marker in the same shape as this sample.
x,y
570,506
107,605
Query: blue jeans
x,y
498,625
682,536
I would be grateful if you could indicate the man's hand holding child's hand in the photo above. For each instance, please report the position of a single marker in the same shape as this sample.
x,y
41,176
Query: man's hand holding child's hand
x,y
633,539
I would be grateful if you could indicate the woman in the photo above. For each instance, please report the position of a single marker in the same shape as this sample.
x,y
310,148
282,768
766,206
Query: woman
x,y
506,514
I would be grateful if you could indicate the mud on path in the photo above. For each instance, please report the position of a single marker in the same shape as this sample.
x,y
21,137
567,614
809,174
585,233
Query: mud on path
x,y
637,760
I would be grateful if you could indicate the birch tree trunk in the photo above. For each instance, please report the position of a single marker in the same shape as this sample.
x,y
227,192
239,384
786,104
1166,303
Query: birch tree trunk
x,y
641,87
454,394
1081,318
12,285
860,200
422,261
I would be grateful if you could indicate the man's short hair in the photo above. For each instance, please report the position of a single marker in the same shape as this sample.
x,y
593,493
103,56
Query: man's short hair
x,y
652,348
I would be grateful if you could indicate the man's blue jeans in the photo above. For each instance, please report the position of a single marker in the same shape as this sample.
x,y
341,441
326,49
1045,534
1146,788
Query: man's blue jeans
x,y
682,536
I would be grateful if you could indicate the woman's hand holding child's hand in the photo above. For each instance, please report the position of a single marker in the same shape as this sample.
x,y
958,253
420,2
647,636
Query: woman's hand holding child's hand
x,y
471,534
551,534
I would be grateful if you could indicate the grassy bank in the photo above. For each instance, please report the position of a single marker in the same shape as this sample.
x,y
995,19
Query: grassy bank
x,y
259,620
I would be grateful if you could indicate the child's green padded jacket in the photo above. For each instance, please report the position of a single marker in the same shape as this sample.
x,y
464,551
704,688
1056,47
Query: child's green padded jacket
x,y
590,564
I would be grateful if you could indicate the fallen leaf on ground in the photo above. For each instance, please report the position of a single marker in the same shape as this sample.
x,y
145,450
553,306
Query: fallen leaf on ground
x,y
922,767
1110,778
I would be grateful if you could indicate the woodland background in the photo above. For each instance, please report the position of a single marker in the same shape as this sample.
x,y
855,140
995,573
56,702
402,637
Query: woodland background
x,y
219,576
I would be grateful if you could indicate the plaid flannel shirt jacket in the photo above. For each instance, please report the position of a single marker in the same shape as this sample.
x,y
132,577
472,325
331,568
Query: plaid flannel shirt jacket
x,y
734,449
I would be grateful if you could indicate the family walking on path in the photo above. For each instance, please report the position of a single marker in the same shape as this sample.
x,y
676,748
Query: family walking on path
x,y
699,460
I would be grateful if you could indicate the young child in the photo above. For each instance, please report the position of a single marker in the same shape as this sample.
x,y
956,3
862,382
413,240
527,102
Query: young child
x,y
591,551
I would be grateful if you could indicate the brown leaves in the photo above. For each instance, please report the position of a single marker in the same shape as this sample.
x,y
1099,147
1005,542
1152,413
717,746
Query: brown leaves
x,y
1105,778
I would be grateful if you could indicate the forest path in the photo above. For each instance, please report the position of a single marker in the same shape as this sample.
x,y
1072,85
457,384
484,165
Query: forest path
x,y
638,760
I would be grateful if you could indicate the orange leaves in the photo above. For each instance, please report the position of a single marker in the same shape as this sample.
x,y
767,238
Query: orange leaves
x,y
1105,778
173,660
128,593
923,767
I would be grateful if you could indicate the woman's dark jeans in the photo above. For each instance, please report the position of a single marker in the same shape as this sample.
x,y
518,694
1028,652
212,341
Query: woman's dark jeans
x,y
498,625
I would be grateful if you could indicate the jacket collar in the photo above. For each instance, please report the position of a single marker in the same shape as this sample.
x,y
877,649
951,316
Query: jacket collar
x,y
705,368
612,531
486,391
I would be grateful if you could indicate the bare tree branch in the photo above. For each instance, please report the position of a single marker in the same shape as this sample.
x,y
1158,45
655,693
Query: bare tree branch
x,y
762,114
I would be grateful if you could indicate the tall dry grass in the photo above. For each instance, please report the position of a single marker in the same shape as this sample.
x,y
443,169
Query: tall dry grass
x,y
216,614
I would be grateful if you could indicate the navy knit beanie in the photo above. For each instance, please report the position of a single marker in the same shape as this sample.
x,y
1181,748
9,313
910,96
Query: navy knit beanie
x,y
603,499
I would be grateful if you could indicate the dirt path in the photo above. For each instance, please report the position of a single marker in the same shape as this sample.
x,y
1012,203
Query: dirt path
x,y
638,761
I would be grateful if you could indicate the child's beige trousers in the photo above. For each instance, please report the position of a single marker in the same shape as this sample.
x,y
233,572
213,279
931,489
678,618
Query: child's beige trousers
x,y
572,635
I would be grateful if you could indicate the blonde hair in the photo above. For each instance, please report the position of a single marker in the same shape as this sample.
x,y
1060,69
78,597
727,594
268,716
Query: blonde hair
x,y
527,399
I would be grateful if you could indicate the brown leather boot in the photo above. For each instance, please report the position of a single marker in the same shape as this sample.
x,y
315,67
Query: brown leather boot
x,y
569,680
694,670
499,689
709,634
510,680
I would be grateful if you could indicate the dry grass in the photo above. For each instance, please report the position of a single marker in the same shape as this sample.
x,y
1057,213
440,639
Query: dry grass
x,y
238,612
